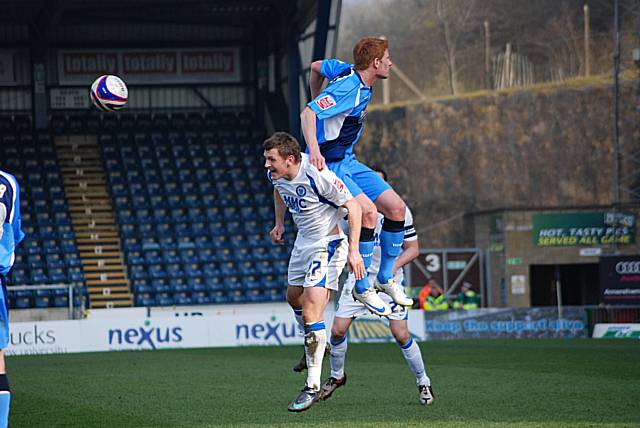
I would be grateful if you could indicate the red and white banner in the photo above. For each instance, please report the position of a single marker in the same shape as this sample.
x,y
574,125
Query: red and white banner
x,y
213,65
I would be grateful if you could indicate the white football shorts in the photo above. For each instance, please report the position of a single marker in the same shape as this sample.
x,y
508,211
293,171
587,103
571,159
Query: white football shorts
x,y
318,262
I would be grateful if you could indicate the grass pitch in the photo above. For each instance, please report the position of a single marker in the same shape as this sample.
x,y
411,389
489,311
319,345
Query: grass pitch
x,y
517,383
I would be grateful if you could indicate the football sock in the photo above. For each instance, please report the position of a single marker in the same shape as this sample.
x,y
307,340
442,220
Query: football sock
x,y
315,340
391,238
411,353
297,313
5,399
337,355
367,243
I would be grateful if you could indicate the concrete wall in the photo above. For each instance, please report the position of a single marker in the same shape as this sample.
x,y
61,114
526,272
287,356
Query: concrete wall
x,y
547,147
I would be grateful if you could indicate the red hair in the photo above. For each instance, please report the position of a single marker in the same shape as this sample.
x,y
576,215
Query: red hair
x,y
367,50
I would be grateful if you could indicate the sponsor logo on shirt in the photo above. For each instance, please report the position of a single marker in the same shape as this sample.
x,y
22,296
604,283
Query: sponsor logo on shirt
x,y
326,102
338,184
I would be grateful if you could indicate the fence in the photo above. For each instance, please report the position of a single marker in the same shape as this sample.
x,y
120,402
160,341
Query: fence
x,y
70,290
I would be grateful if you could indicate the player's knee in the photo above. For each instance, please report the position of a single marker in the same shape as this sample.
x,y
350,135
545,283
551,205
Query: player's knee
x,y
337,334
294,297
336,338
402,337
369,216
397,210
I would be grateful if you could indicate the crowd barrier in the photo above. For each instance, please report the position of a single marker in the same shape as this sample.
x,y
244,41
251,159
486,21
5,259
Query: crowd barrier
x,y
274,325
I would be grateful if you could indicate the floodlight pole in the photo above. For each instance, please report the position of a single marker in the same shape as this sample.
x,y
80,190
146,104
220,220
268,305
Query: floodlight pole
x,y
616,110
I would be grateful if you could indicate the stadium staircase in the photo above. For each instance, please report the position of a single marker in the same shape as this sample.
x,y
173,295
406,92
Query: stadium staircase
x,y
94,221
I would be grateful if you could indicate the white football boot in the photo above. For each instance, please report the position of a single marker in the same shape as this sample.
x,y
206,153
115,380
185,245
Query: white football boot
x,y
370,299
395,291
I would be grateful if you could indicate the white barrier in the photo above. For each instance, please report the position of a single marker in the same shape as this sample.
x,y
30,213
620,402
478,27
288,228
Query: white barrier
x,y
617,331
186,327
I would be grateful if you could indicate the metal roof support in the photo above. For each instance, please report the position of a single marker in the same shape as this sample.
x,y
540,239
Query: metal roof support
x,y
322,29
294,83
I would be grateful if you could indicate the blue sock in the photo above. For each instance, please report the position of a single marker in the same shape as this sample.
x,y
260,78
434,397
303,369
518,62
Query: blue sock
x,y
5,400
391,239
367,243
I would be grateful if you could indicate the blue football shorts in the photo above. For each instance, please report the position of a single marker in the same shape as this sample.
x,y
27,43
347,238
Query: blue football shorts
x,y
359,178
4,314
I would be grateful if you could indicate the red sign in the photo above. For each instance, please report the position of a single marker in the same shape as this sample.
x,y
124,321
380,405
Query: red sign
x,y
149,62
338,184
326,102
90,63
208,62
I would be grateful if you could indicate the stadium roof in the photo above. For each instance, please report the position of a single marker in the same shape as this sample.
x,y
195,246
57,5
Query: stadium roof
x,y
227,12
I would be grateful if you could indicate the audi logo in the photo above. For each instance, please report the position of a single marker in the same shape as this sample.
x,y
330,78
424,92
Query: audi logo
x,y
628,267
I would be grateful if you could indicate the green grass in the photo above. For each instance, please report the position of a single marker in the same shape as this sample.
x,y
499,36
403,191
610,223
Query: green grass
x,y
518,383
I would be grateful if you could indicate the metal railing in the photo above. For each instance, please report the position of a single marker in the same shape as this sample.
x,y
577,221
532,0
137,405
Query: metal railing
x,y
70,290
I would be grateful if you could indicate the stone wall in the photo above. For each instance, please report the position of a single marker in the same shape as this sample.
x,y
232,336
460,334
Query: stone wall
x,y
548,147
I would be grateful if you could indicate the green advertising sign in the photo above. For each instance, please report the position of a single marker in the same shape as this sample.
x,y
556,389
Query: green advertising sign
x,y
583,229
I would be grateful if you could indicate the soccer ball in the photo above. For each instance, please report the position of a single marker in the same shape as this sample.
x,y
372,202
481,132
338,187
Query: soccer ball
x,y
109,93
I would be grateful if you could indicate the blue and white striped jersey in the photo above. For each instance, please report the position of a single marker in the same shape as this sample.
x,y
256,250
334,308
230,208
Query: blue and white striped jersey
x,y
11,233
340,110
314,199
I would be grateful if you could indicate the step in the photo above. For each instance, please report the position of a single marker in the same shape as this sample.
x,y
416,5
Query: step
x,y
112,304
102,263
104,291
109,282
116,267
102,240
103,255
112,296
77,192
104,277
94,221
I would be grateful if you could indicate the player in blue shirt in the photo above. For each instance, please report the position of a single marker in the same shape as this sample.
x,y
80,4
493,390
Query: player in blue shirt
x,y
332,123
10,235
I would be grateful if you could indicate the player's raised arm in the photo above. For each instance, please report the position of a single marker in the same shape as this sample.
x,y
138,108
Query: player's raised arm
x,y
316,78
308,122
356,265
279,209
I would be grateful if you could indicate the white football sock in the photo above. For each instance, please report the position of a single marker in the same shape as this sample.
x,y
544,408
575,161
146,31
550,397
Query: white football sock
x,y
315,340
337,355
412,354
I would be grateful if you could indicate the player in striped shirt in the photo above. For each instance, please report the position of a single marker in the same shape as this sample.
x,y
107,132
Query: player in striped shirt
x,y
332,123
317,200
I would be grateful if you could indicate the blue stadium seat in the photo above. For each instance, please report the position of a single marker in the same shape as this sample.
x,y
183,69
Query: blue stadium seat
x,y
164,299
181,299
201,298
42,301
214,283
256,296
218,297
61,301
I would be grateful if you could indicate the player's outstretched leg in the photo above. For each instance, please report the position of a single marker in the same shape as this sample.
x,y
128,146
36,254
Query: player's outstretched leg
x,y
413,357
315,341
338,377
391,239
362,290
